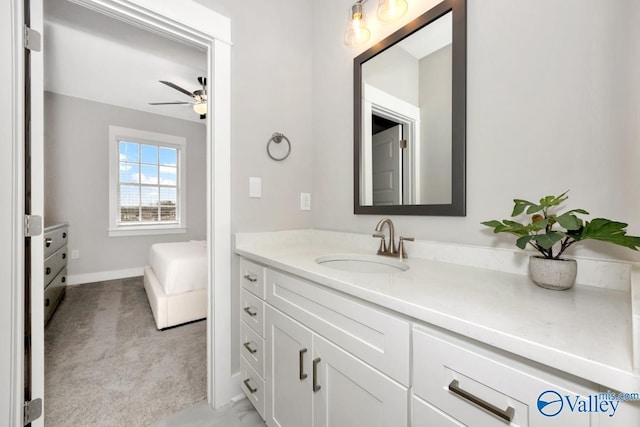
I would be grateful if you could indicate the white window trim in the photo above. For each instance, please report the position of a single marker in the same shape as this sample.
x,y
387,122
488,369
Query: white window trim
x,y
116,133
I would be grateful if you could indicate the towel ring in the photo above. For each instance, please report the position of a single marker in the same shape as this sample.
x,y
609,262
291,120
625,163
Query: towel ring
x,y
277,138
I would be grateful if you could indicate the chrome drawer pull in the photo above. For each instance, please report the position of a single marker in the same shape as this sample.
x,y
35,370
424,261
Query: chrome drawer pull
x,y
316,386
247,345
504,414
251,389
302,375
251,278
250,312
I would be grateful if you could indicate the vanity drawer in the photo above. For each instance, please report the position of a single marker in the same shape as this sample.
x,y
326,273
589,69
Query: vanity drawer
x,y
252,277
426,415
54,264
54,239
252,311
369,333
252,386
450,374
252,348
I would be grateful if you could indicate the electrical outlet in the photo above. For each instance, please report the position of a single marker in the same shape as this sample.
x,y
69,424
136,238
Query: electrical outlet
x,y
75,254
305,201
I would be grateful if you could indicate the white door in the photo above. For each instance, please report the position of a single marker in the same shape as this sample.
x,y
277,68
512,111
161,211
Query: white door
x,y
387,167
34,203
288,372
350,393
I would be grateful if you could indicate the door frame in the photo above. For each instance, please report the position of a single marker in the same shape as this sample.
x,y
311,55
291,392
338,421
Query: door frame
x,y
186,21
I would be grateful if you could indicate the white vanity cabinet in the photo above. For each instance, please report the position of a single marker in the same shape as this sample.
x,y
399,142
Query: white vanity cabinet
x,y
315,356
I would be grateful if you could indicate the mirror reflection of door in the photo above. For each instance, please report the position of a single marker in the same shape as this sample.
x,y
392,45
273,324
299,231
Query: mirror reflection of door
x,y
387,162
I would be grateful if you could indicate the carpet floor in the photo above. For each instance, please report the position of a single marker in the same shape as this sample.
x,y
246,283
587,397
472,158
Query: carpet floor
x,y
106,364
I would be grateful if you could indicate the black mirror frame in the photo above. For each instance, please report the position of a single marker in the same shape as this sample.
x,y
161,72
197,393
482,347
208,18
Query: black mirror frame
x,y
459,112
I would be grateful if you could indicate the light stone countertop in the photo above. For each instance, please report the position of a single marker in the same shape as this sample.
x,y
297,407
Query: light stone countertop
x,y
586,331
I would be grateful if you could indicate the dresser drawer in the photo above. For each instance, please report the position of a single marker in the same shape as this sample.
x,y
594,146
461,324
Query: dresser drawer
x,y
54,239
252,386
252,277
54,263
373,335
472,384
53,294
252,348
252,311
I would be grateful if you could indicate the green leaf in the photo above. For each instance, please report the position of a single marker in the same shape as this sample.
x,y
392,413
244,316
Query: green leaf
x,y
519,206
522,241
539,225
549,239
534,208
610,231
492,224
569,221
580,211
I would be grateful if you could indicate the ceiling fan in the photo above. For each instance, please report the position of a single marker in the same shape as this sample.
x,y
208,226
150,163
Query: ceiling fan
x,y
199,101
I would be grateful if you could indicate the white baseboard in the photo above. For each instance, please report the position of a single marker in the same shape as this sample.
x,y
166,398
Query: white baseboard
x,y
101,276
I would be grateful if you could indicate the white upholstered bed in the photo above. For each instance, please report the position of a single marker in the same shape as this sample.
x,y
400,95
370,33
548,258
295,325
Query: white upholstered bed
x,y
176,282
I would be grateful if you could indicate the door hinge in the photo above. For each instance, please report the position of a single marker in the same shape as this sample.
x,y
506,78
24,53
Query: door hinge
x,y
32,411
32,225
32,39
403,143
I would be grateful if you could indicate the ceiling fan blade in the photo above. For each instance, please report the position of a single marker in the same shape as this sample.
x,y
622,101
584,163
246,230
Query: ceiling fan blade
x,y
168,103
178,88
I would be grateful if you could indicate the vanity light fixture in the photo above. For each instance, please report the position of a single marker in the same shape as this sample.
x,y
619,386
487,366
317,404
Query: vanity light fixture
x,y
357,32
390,10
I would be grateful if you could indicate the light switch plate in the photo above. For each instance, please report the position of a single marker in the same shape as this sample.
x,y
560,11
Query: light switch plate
x,y
255,186
305,201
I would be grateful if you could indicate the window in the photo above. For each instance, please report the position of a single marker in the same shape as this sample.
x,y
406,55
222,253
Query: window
x,y
147,182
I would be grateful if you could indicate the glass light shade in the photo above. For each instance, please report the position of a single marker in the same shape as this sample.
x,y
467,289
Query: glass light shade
x,y
357,32
200,108
390,10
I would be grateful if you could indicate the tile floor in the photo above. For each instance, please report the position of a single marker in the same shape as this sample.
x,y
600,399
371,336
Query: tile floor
x,y
236,414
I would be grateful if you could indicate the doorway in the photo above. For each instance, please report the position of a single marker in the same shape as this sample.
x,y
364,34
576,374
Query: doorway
x,y
199,26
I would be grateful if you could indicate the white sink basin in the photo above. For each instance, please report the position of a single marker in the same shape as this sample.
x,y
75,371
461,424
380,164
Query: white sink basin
x,y
356,263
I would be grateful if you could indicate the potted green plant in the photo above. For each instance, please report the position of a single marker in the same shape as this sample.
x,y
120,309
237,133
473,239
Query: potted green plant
x,y
551,233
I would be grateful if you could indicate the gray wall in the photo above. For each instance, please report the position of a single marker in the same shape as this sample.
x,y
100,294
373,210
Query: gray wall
x,y
435,127
552,105
270,92
77,180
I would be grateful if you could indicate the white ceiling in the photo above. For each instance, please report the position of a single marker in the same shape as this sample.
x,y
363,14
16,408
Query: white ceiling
x,y
88,55
434,36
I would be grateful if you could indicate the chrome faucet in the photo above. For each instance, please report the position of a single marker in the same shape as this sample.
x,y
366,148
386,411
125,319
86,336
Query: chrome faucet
x,y
391,249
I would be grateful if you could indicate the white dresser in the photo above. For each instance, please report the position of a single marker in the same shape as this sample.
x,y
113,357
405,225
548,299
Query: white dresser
x,y
55,267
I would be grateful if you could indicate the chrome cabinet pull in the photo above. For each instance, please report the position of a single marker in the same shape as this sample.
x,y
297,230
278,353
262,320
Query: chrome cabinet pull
x,y
302,375
504,414
247,345
316,386
250,278
251,389
250,312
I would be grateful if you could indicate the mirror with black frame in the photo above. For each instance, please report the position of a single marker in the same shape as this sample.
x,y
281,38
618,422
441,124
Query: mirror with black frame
x,y
410,117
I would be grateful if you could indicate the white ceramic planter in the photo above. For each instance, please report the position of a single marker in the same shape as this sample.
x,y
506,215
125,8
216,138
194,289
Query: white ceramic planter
x,y
556,274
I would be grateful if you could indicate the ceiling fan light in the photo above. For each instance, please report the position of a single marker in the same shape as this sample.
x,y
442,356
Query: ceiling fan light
x,y
200,108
